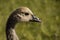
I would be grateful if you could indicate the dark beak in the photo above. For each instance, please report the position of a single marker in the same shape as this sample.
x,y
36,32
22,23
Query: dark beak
x,y
35,19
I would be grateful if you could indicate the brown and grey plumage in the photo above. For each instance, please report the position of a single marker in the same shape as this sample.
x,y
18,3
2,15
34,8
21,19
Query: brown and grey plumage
x,y
20,14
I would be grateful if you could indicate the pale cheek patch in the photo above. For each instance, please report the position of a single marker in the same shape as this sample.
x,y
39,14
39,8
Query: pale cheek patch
x,y
25,18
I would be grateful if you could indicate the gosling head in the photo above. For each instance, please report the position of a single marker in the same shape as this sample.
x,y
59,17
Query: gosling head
x,y
24,14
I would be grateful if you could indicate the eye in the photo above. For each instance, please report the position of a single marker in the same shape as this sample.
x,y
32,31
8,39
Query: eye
x,y
26,13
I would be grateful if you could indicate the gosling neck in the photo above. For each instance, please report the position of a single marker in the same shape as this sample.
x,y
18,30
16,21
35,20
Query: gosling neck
x,y
11,24
10,29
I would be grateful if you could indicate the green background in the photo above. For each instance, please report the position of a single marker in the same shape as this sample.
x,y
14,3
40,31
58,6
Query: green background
x,y
47,10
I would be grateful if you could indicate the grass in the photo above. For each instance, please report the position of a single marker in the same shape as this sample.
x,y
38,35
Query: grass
x,y
47,10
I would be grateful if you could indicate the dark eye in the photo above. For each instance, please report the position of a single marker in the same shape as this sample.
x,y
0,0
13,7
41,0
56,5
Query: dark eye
x,y
26,13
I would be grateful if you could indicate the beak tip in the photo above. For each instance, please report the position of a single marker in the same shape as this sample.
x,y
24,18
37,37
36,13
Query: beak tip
x,y
40,21
35,19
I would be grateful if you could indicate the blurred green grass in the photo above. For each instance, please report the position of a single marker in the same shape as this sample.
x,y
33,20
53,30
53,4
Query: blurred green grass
x,y
47,10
